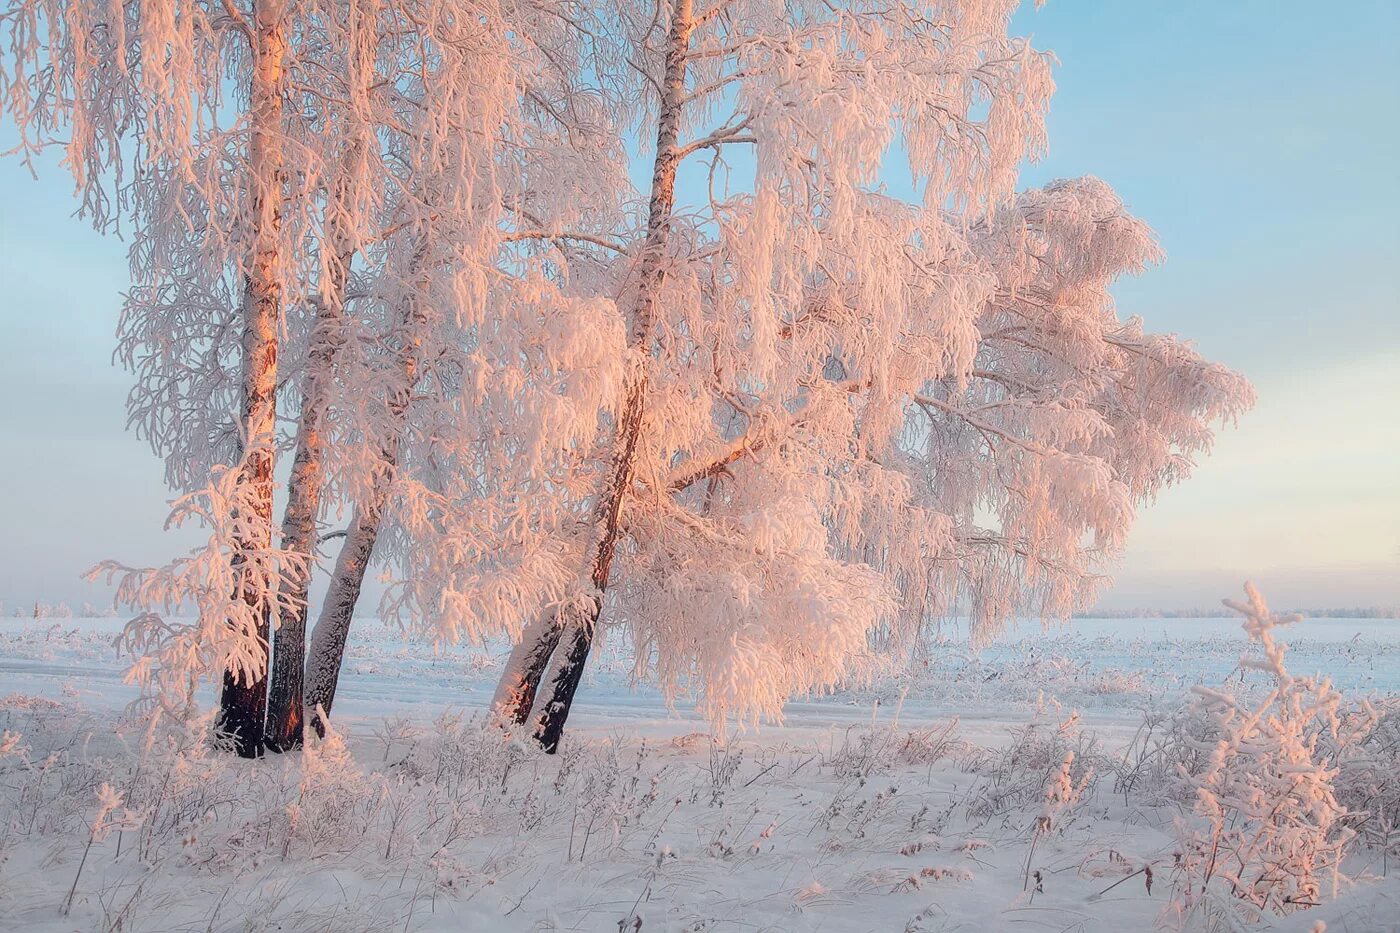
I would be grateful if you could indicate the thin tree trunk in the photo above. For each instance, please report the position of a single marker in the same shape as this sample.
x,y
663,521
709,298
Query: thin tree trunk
x,y
285,706
332,629
579,623
284,702
241,706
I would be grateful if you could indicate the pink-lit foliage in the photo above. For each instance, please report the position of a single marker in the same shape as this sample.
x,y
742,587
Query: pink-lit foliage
x,y
863,413
854,414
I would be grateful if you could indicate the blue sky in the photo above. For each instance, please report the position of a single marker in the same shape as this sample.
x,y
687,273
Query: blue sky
x,y
1258,138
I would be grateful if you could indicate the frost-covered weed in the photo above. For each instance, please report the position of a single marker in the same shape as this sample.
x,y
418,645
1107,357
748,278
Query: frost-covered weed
x,y
175,807
1017,777
926,746
110,817
875,749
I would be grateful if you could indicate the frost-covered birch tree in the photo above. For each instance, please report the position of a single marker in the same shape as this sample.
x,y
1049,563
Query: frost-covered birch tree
x,y
484,372
830,433
733,328
403,221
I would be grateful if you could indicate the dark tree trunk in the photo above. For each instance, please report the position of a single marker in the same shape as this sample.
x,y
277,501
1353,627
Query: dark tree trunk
x,y
284,705
241,711
578,625
332,629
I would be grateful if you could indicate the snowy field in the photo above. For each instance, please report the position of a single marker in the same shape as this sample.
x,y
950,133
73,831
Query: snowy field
x,y
1107,669
917,804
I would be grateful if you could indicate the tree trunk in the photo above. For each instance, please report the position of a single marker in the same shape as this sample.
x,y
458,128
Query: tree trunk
x,y
285,706
515,693
333,626
284,702
241,705
651,273
332,629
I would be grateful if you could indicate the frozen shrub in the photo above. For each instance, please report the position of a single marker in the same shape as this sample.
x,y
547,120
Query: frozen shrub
x,y
1366,749
1269,833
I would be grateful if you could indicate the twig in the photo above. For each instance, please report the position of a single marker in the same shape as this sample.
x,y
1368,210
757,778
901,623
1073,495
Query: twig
x,y
522,898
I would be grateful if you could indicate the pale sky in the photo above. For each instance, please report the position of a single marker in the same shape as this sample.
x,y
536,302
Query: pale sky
x,y
1259,139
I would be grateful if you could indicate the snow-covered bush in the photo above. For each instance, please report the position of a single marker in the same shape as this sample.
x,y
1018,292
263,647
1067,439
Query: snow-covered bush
x,y
1366,749
1269,832
1046,768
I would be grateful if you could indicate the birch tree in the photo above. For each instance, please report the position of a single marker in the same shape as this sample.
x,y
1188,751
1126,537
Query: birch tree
x,y
249,216
829,430
409,91
202,178
474,329
816,92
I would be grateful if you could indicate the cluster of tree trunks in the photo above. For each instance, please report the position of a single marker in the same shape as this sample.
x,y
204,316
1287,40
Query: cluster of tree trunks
x,y
244,698
303,683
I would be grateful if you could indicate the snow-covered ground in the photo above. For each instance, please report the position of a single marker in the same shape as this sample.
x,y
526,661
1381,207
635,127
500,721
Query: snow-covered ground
x,y
907,804
1106,668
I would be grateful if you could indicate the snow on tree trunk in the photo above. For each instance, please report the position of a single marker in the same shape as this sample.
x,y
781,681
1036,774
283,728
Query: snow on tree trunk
x,y
242,702
579,623
515,693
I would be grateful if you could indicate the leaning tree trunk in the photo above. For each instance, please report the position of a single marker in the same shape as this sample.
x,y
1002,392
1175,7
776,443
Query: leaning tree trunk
x,y
245,693
285,706
515,692
576,624
332,629
284,702
338,610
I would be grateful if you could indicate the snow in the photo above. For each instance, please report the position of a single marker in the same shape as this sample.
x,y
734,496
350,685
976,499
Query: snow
x,y
1106,668
958,800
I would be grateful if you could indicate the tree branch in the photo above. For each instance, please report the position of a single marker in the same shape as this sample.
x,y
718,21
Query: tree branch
x,y
565,236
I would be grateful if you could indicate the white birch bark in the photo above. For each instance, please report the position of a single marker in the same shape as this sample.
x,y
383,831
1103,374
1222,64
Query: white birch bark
x,y
243,699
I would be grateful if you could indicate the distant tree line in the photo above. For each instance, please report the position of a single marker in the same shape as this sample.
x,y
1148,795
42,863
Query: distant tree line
x,y
1367,612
